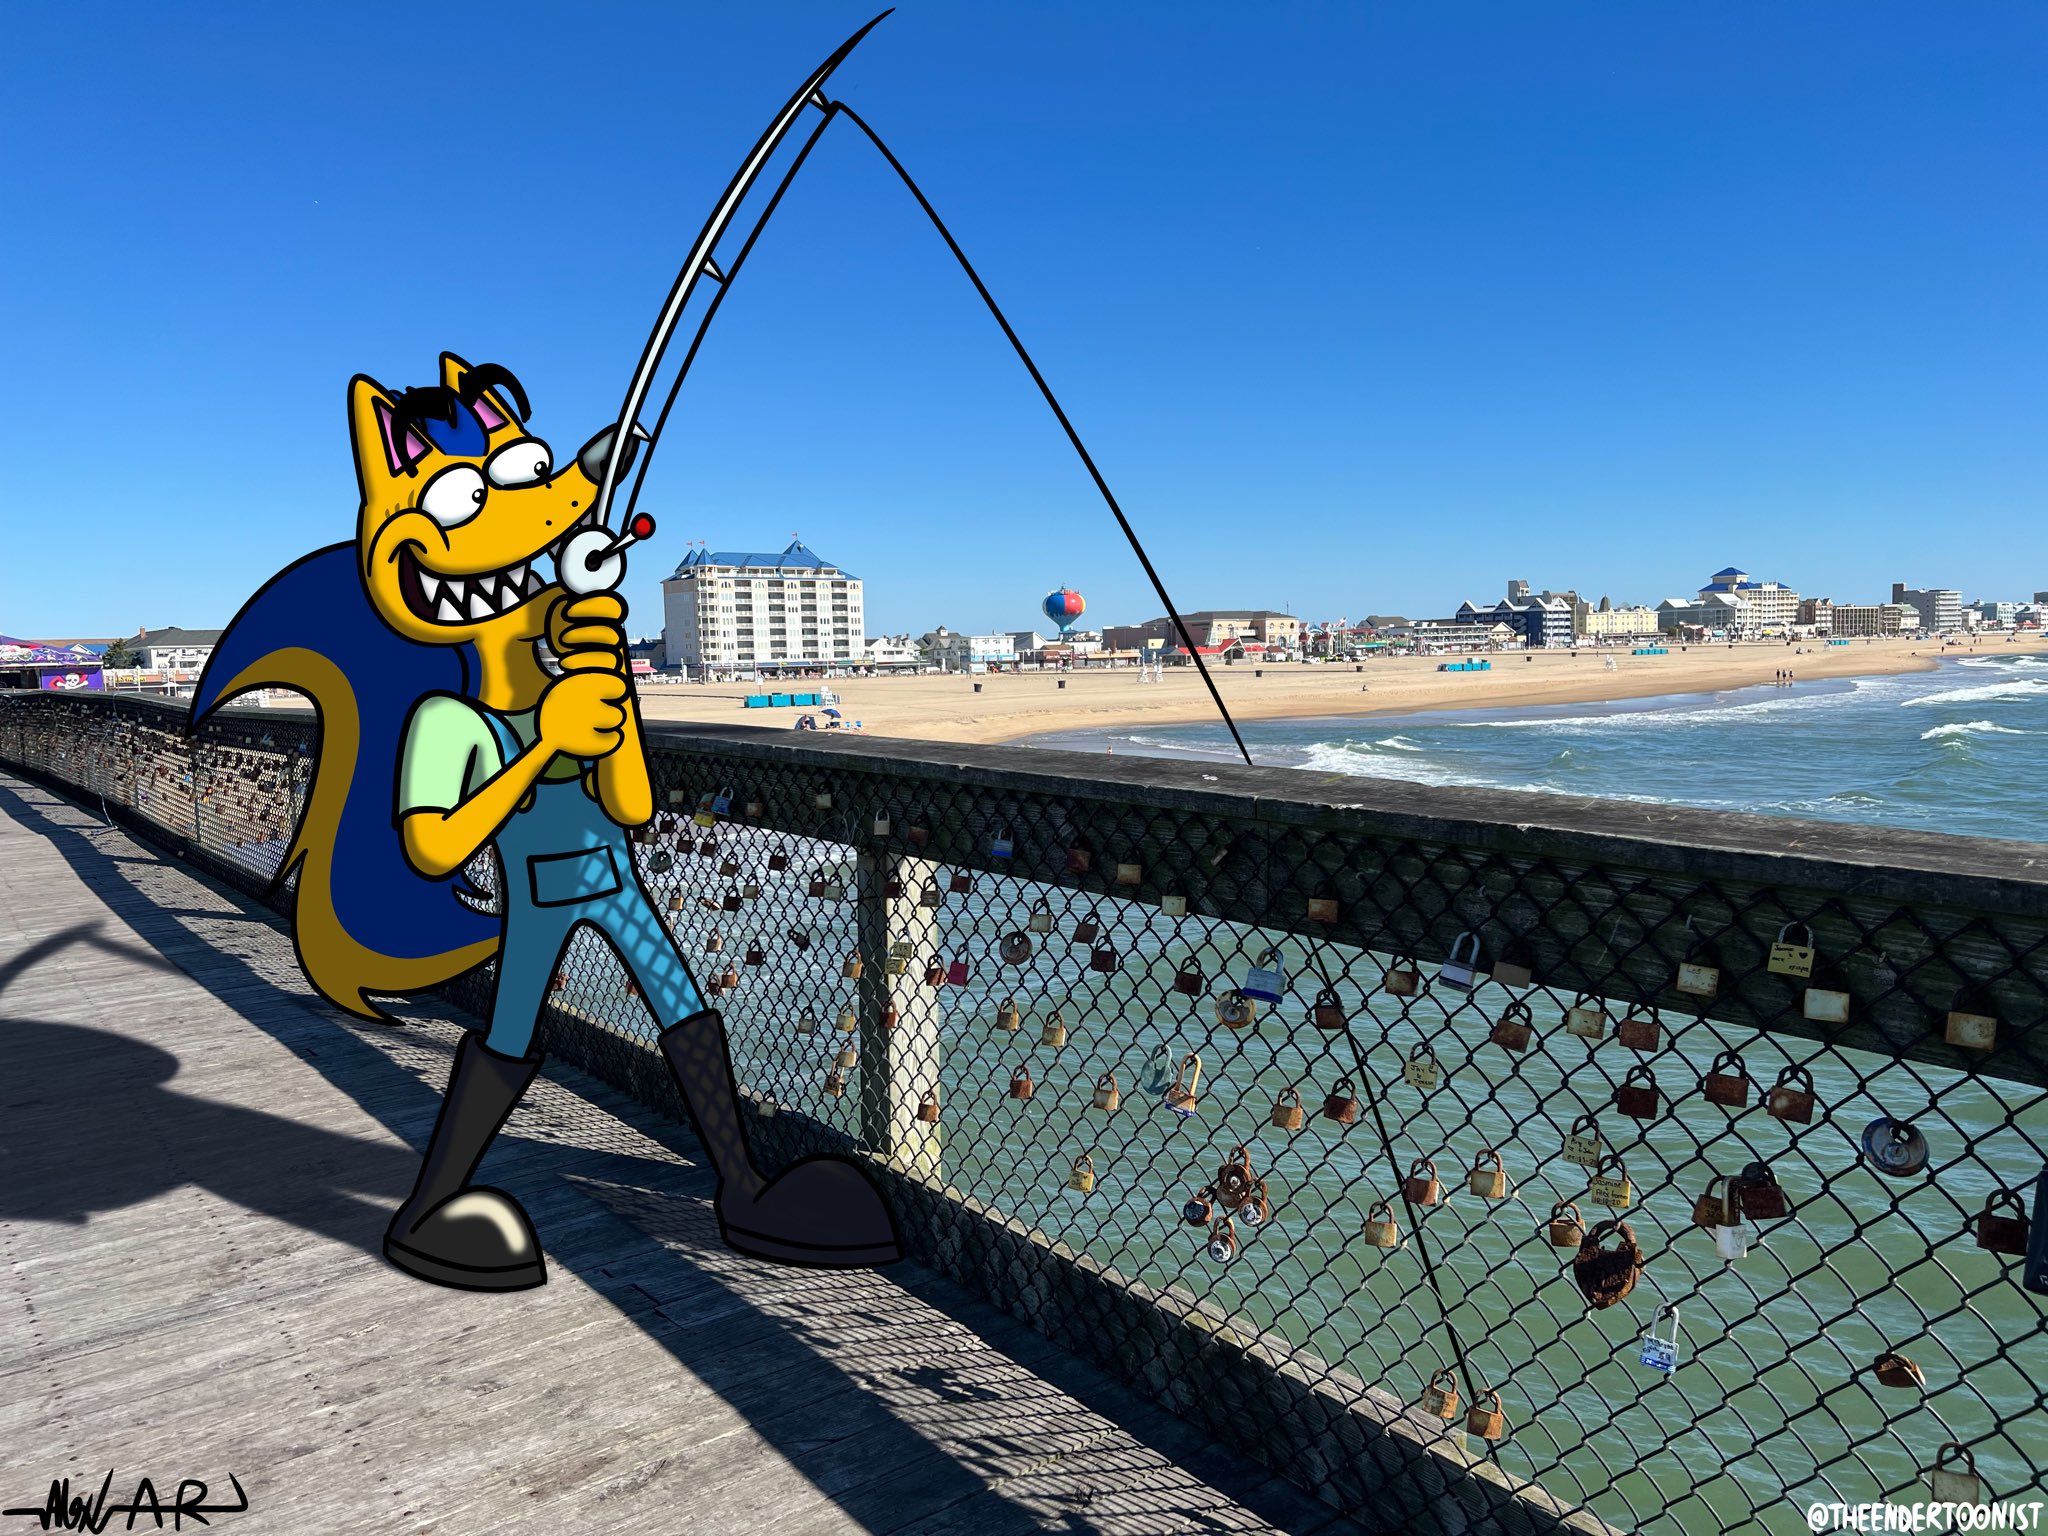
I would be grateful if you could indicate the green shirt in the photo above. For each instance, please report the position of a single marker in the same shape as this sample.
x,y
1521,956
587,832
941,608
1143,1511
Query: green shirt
x,y
451,752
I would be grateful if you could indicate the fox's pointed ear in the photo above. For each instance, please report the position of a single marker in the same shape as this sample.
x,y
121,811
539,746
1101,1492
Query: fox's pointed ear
x,y
492,408
378,462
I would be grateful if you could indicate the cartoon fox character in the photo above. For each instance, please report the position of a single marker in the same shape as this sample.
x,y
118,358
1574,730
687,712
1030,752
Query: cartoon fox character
x,y
443,734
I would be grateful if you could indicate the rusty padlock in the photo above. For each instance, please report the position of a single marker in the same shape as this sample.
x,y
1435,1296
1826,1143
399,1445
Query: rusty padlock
x,y
1791,1096
1014,948
1053,1032
1104,958
889,1016
1893,1369
1129,872
1717,1207
1566,1228
1223,1242
851,967
1322,909
1188,979
848,1057
1008,1016
1198,1209
1020,1083
892,887
1605,1275
835,1083
1636,1096
961,883
1287,1112
1639,1028
1107,1095
1340,1105
1440,1397
1234,1179
2002,1234
730,901
928,1107
849,1021
1582,1142
1255,1209
1079,861
1609,1185
729,979
1586,1018
1512,1029
778,858
1234,1010
1489,1183
1328,1010
1727,1081
1422,1187
1971,1024
1404,978
1180,1093
1081,1177
934,974
1759,1193
1420,1070
917,836
1488,1423
1087,929
1381,1230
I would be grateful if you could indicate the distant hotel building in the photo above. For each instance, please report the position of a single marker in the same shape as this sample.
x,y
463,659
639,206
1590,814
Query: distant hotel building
x,y
1858,621
1210,628
1634,622
1541,619
1940,608
744,611
1767,605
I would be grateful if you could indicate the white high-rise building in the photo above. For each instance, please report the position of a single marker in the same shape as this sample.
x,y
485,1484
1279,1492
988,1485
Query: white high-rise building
x,y
738,612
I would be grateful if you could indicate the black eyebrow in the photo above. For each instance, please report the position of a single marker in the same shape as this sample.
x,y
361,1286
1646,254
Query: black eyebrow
x,y
487,375
410,414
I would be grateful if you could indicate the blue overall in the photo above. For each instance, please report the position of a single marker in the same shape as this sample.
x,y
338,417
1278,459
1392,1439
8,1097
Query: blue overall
x,y
564,863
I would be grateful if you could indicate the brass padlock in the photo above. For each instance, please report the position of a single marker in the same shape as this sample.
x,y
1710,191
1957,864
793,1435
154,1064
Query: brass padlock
x,y
1404,978
1791,1096
1760,1194
1893,1369
2002,1234
730,978
1605,1275
1513,1028
1008,1016
1953,1477
1287,1111
1792,955
1180,1093
1328,1010
1421,1187
714,942
1566,1228
677,904
1381,1230
1014,948
1129,873
835,1083
1087,928
1971,1024
849,1021
1339,1105
1639,1029
1609,1185
1107,1095
962,882
1081,1178
1420,1069
1487,1422
1188,979
1234,1010
1489,1183
897,965
851,967
1586,1018
1582,1142
1440,1397
1020,1083
848,1057
807,1023
1716,1208
1041,916
888,1016
928,1107
1636,1097
1322,909
1223,1242
1053,1032
1727,1081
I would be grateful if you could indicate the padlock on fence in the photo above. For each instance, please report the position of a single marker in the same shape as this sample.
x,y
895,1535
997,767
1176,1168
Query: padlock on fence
x,y
1732,1242
1328,1011
730,901
778,859
1021,1086
1234,1010
2002,1234
1727,1081
1053,1031
1512,1029
848,1057
1008,1015
822,800
1953,1477
1659,1351
1103,958
889,1016
1014,948
1188,979
1223,1242
1716,1207
1129,872
1487,1178
1586,1018
1420,1070
1266,982
807,1023
1004,846
1040,920
930,896
1893,1369
1893,1147
1639,1029
961,882
880,824
1515,966
1582,1142
1971,1025
1081,1177
1792,955
1636,1096
1158,1069
835,1083
1759,1193
1440,1397
1381,1230
1079,861
848,1020
917,836
1485,1418
1566,1229
934,974
1199,1208
956,973
1234,1179
1088,928
1609,1185
928,1107
1321,909
1107,1095
851,966
1254,1210
892,887
1461,971
1699,973
1422,1186
800,938
1404,978
1287,1112
1180,1093
1791,1096
1340,1104
1605,1275
1173,904
1826,999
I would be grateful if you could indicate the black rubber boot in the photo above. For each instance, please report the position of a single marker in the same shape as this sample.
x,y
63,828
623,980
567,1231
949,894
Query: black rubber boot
x,y
821,1211
454,1233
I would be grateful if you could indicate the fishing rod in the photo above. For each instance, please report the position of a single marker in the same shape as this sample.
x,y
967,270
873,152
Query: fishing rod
x,y
597,553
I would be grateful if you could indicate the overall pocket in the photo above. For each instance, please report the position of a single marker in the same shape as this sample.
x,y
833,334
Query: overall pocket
x,y
562,879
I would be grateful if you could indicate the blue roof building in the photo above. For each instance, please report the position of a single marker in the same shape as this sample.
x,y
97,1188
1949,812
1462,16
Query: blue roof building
x,y
734,612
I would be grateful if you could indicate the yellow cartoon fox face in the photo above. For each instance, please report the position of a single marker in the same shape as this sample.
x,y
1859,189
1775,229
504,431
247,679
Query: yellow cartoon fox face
x,y
460,505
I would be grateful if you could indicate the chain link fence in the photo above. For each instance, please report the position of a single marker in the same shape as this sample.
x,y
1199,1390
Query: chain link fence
x,y
1477,1160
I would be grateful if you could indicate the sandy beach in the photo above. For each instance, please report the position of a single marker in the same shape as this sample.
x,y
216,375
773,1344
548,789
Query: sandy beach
x,y
1010,706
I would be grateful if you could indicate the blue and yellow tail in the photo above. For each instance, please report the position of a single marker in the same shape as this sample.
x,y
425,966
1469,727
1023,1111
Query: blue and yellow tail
x,y
365,921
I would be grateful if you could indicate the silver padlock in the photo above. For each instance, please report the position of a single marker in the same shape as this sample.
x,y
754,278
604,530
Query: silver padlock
x,y
1461,970
1659,1352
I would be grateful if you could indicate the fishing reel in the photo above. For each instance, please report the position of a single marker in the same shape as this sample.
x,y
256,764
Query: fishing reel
x,y
594,560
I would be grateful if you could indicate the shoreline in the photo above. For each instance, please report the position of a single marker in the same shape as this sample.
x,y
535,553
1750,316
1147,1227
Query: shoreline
x,y
1017,707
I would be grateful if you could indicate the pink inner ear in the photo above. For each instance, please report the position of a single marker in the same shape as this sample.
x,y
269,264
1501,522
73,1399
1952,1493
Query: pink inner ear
x,y
488,414
413,446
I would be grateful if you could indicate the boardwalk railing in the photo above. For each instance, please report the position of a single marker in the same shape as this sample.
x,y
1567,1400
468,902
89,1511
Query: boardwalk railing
x,y
1477,1160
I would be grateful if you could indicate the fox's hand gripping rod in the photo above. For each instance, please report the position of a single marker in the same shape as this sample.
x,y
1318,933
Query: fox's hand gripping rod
x,y
603,558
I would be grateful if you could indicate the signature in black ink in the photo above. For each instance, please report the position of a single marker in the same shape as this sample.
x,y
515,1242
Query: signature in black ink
x,y
63,1512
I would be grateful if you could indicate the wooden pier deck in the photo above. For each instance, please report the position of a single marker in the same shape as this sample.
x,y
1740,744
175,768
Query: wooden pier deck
x,y
198,1158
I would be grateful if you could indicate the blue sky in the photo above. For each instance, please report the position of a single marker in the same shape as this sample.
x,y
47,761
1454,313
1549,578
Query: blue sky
x,y
1360,307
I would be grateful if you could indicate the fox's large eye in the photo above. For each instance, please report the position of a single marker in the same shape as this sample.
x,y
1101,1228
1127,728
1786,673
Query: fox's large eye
x,y
454,496
520,463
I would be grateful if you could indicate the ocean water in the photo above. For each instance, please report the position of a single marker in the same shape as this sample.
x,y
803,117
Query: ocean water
x,y
1959,749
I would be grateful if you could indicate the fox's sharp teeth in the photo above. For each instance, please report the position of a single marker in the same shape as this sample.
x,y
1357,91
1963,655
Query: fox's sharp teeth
x,y
516,577
455,590
478,607
429,584
533,582
446,613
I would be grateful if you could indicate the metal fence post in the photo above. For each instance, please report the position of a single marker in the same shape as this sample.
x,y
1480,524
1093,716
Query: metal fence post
x,y
897,1064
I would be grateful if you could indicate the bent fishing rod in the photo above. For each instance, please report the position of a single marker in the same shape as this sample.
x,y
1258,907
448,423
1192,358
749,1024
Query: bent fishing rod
x,y
594,560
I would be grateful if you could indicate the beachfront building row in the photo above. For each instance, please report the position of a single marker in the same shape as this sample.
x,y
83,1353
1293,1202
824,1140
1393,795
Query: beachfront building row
x,y
1870,621
739,611
1210,629
1939,609
1536,618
